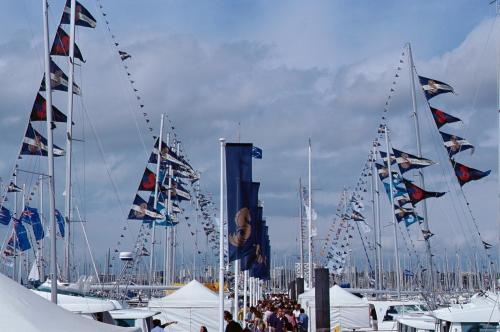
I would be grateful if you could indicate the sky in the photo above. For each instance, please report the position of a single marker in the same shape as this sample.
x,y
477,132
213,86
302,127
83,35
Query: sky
x,y
286,71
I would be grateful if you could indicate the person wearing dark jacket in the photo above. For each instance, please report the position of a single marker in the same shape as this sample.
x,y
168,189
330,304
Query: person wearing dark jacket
x,y
231,326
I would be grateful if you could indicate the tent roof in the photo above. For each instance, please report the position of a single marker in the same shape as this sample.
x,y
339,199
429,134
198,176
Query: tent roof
x,y
341,297
30,312
193,294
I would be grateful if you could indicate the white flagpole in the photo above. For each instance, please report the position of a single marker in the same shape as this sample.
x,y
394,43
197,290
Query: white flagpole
x,y
236,291
69,143
396,252
309,218
155,202
245,298
40,254
221,237
50,155
168,234
301,230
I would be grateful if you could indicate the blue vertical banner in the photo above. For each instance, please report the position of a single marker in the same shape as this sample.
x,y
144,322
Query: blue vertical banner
x,y
256,223
239,193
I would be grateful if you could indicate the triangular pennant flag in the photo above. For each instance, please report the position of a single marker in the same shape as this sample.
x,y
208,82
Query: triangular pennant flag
x,y
39,111
417,194
61,45
83,16
465,174
148,181
441,118
60,222
427,234
455,144
58,80
408,161
12,188
383,172
142,211
36,145
383,155
433,88
124,55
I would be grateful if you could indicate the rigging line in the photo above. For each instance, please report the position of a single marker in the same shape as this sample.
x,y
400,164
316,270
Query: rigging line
x,y
129,104
452,189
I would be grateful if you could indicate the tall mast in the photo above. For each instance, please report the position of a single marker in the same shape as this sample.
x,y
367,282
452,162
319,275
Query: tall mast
x,y
376,220
221,237
396,252
155,200
309,218
301,230
39,256
50,155
167,248
420,172
69,143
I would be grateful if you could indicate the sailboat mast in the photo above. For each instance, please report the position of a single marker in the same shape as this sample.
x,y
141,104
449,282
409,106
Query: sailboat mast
x,y
396,252
376,221
498,108
69,143
309,218
425,224
166,256
39,256
301,230
50,155
157,182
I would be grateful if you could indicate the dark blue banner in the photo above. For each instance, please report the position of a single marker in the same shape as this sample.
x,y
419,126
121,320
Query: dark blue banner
x,y
239,192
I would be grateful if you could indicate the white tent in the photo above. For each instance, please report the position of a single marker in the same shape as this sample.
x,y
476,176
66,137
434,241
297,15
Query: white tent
x,y
346,309
191,306
22,310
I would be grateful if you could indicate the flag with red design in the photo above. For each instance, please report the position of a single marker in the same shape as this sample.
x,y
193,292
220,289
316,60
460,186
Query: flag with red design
x,y
39,111
441,118
417,194
61,45
148,181
465,174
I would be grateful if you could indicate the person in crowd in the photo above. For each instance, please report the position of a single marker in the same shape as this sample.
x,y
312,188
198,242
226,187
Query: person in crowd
x,y
303,322
203,328
159,327
231,326
296,311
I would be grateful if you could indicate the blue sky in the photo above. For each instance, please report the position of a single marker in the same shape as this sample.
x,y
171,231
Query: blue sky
x,y
287,70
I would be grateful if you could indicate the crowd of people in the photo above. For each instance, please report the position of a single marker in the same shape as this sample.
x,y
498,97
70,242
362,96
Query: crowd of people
x,y
277,313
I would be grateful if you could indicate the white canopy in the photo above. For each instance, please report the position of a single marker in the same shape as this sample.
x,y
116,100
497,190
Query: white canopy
x,y
346,309
469,313
191,306
22,310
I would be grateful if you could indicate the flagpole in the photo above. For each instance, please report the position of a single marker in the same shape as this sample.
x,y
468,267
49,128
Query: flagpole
x,y
40,252
155,200
309,218
236,291
498,107
301,230
14,267
221,237
376,221
50,155
420,172
396,252
69,143
168,238
245,297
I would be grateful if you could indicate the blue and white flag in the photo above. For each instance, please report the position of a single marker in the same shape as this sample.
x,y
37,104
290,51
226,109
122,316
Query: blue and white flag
x,y
36,145
433,88
31,216
5,216
83,16
256,152
455,144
